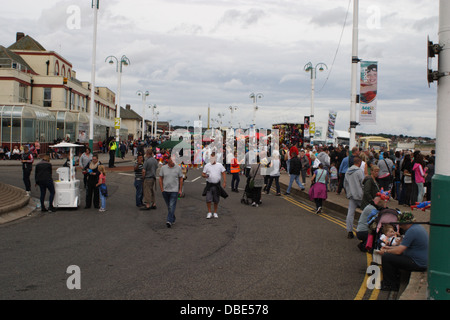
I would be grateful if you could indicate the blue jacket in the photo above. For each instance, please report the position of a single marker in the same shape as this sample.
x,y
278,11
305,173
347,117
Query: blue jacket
x,y
344,165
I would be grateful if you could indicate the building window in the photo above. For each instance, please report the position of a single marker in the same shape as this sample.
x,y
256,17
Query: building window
x,y
23,93
47,97
56,68
72,101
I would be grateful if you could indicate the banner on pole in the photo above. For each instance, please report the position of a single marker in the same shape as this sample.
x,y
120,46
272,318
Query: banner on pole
x,y
306,127
331,123
368,92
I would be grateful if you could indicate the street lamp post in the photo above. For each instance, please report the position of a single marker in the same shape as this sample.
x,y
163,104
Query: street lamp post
x,y
155,131
94,52
255,97
144,96
124,61
153,119
313,70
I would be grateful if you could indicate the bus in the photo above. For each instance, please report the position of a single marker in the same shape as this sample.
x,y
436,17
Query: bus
x,y
375,142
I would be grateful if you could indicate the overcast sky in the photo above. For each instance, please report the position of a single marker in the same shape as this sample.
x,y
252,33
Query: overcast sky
x,y
192,54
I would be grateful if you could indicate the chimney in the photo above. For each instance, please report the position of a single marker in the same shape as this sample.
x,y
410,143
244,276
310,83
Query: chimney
x,y
19,35
128,107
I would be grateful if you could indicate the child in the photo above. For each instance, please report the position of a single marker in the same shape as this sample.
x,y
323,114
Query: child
x,y
102,188
333,177
389,237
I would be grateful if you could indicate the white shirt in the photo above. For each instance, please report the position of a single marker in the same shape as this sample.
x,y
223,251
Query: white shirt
x,y
214,171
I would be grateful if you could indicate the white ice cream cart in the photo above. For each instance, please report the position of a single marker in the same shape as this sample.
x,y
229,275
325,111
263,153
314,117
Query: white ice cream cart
x,y
67,187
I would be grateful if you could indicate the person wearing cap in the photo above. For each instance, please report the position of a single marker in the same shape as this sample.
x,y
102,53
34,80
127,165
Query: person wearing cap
x,y
410,255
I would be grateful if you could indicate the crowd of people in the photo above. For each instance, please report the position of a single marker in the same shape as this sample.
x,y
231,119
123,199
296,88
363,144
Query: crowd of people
x,y
370,180
366,177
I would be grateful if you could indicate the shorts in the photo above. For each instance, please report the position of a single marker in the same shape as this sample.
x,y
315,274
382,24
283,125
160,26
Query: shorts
x,y
212,195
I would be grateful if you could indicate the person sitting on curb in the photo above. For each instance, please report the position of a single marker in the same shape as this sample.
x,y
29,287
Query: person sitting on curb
x,y
410,255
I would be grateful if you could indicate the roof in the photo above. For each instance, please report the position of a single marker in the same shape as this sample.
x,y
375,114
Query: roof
x,y
7,57
27,43
129,114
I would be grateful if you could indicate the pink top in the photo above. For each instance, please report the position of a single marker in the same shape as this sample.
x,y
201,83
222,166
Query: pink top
x,y
102,179
419,173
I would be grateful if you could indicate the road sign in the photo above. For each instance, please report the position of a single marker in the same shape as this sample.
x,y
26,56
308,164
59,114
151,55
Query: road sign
x,y
116,123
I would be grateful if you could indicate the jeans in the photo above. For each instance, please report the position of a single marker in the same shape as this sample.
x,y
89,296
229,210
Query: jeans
x,y
420,192
352,205
102,201
171,201
392,264
26,179
138,185
277,183
295,177
51,188
235,181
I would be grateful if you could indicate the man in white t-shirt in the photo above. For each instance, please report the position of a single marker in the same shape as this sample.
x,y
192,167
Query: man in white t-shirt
x,y
214,172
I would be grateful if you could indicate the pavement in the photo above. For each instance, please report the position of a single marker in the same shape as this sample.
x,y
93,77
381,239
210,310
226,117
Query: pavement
x,y
16,204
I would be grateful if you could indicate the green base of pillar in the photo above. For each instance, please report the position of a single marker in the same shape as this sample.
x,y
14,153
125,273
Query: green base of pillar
x,y
439,252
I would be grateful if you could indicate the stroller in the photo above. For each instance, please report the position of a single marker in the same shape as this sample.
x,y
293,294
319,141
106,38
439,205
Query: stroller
x,y
376,221
247,195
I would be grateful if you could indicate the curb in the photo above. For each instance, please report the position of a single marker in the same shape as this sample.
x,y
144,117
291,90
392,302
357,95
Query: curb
x,y
10,193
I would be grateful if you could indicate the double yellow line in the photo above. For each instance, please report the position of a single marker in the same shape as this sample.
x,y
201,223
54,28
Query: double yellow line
x,y
362,290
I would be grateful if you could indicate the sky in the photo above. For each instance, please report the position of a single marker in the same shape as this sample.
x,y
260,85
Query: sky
x,y
195,54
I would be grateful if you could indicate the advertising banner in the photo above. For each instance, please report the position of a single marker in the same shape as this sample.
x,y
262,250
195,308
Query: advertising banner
x,y
306,126
368,92
331,123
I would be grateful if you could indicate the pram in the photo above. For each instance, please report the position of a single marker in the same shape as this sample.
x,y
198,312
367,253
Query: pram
x,y
247,195
376,221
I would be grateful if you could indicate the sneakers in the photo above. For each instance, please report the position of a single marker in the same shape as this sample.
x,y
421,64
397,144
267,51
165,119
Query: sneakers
x,y
350,235
101,210
319,209
210,215
254,204
168,224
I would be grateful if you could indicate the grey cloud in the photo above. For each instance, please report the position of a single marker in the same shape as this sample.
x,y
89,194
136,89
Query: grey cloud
x,y
243,19
330,17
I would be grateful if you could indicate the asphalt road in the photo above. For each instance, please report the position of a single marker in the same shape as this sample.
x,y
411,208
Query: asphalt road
x,y
280,250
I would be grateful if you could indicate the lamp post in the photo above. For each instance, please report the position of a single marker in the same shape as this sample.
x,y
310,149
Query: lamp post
x,y
153,107
94,51
313,70
144,96
232,109
155,131
124,61
255,97
354,75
